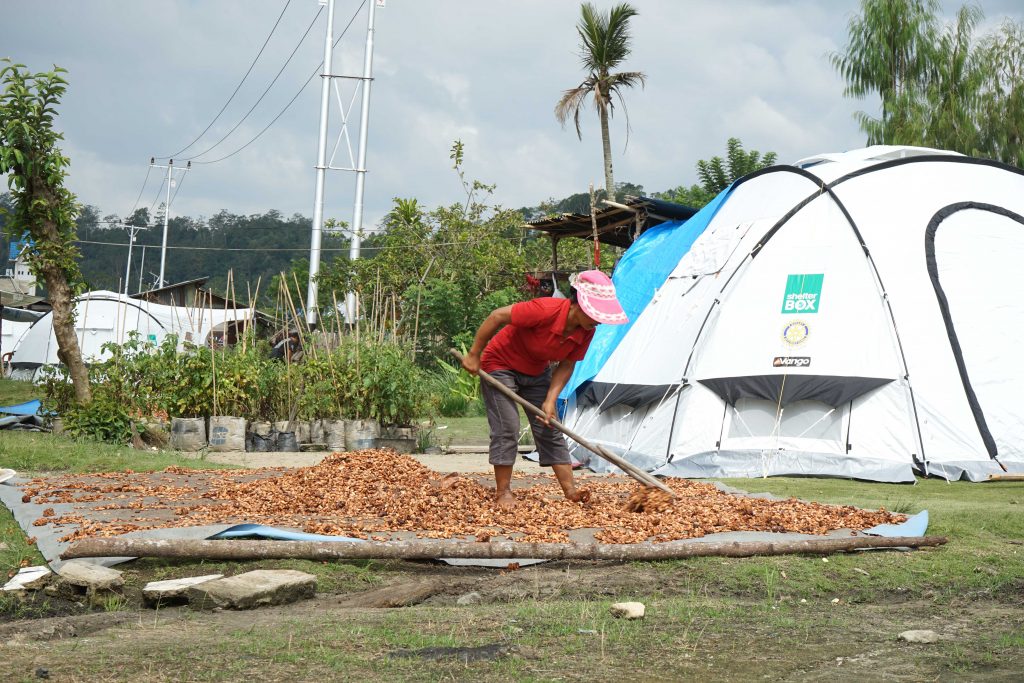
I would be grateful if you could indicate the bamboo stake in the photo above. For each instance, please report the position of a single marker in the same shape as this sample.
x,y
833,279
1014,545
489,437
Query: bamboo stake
x,y
300,297
213,355
248,317
626,466
295,312
424,549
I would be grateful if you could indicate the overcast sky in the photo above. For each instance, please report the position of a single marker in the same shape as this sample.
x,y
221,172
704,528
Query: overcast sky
x,y
147,77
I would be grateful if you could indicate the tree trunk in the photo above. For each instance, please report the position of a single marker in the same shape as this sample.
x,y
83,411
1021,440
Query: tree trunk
x,y
68,350
423,549
606,142
62,299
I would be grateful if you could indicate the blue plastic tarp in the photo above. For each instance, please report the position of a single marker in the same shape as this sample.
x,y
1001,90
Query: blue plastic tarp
x,y
27,408
640,272
916,525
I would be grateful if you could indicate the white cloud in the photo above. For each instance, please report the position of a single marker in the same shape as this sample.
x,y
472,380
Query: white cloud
x,y
146,78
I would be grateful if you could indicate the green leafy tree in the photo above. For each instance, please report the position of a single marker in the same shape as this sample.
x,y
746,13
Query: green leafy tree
x,y
44,210
890,52
1000,118
604,45
939,86
716,174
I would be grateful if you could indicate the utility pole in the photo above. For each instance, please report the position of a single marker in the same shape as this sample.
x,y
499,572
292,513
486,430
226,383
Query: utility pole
x,y
321,169
142,267
133,230
167,209
323,164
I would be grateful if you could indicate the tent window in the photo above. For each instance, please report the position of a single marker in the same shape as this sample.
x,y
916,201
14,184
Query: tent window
x,y
798,420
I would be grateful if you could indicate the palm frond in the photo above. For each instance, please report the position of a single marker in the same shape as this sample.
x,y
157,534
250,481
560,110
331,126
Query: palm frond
x,y
571,102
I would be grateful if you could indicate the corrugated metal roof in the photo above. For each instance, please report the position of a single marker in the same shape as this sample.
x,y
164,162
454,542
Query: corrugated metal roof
x,y
617,224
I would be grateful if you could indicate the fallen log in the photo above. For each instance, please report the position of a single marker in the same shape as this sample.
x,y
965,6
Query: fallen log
x,y
426,549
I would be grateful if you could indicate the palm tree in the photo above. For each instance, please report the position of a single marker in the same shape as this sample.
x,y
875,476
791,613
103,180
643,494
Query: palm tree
x,y
604,45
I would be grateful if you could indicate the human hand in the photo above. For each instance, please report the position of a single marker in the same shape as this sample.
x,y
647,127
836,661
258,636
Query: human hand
x,y
550,410
471,363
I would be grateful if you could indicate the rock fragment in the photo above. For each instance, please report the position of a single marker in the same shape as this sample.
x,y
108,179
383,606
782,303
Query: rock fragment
x,y
253,589
628,610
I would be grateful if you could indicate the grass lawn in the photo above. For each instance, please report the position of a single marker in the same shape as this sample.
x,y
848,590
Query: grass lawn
x,y
754,619
13,391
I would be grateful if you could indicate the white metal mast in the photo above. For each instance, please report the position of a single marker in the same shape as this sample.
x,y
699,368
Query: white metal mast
x,y
323,164
321,168
364,125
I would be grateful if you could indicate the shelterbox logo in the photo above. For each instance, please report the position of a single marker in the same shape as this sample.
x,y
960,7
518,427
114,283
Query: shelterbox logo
x,y
803,293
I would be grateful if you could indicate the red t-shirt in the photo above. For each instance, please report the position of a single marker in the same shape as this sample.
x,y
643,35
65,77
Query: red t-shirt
x,y
534,338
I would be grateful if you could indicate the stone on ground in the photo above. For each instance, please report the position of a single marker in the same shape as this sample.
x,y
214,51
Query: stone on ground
x,y
628,610
921,636
473,598
91,577
402,595
157,592
253,589
28,578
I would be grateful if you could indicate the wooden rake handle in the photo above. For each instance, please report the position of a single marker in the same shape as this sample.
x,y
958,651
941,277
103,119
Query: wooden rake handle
x,y
626,466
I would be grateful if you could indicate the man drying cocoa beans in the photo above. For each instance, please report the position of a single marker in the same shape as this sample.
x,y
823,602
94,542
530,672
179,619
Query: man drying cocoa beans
x,y
516,345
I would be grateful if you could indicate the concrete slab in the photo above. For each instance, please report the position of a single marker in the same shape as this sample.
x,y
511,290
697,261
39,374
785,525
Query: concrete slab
x,y
90,576
156,592
253,589
28,578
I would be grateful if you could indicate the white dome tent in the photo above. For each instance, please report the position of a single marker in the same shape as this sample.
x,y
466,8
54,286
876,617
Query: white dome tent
x,y
103,316
854,315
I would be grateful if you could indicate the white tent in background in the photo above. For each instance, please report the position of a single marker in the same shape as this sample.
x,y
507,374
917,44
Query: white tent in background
x,y
103,317
11,332
853,315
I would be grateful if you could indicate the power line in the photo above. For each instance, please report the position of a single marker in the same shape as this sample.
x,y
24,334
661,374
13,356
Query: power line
x,y
152,206
177,187
237,88
287,62
372,248
141,190
291,101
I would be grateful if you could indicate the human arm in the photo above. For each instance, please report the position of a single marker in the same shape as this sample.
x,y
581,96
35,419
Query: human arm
x,y
559,378
497,319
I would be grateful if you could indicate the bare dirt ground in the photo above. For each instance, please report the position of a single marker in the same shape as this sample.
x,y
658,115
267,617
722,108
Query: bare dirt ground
x,y
544,623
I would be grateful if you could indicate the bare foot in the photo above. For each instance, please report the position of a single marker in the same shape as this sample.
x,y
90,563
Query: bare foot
x,y
505,500
578,495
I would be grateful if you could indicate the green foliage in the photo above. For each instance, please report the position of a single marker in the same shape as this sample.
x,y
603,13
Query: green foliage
x,y
103,419
43,209
392,389
716,174
458,391
939,85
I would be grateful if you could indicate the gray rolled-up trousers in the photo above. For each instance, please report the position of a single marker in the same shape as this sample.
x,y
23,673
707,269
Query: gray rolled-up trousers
x,y
503,419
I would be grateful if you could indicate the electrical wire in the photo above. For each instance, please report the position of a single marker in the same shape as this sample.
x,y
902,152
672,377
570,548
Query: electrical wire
x,y
142,189
178,187
237,88
253,107
292,101
152,206
306,249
